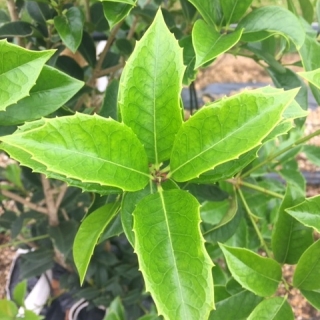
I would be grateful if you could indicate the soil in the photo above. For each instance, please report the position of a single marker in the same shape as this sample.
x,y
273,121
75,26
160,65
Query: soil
x,y
227,69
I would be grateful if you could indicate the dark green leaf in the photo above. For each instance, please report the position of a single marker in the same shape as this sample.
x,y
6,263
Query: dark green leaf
x,y
115,11
189,59
233,10
16,28
98,18
38,11
70,67
51,91
124,46
110,102
87,49
70,27
188,10
4,16
63,236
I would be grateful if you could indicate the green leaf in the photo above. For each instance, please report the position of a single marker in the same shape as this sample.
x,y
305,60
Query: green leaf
x,y
63,235
289,80
289,237
172,257
86,148
25,159
255,273
233,10
88,235
114,12
30,315
228,211
149,93
52,89
313,297
8,310
20,72
70,27
228,169
274,19
4,17
131,2
272,309
210,10
188,9
38,11
115,310
110,101
312,77
224,130
16,28
309,53
209,43
19,293
87,49
124,46
98,18
307,212
189,59
129,203
307,10
307,273
237,306
313,154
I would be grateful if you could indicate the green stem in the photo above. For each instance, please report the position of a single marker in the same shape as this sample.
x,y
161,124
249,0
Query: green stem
x,y
279,153
14,243
252,219
263,190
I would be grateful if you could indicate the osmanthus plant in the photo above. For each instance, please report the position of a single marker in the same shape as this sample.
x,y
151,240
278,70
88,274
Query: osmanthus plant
x,y
187,191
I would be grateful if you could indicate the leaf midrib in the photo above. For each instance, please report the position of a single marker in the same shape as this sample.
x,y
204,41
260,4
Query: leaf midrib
x,y
244,127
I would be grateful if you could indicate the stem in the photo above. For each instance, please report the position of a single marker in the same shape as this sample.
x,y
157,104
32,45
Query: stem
x,y
279,153
252,219
255,187
25,202
106,71
14,243
87,10
52,210
14,17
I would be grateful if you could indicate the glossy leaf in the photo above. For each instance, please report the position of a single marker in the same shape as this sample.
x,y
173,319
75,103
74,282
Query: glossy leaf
x,y
209,43
307,273
274,19
172,256
88,235
97,17
115,11
272,309
70,27
313,297
289,237
210,10
309,53
307,212
149,93
52,89
255,273
39,11
129,203
233,10
26,160
312,76
87,49
20,72
224,130
86,148
237,306
16,28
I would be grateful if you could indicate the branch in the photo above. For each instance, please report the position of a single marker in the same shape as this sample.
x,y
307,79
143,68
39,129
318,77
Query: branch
x,y
106,71
25,202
